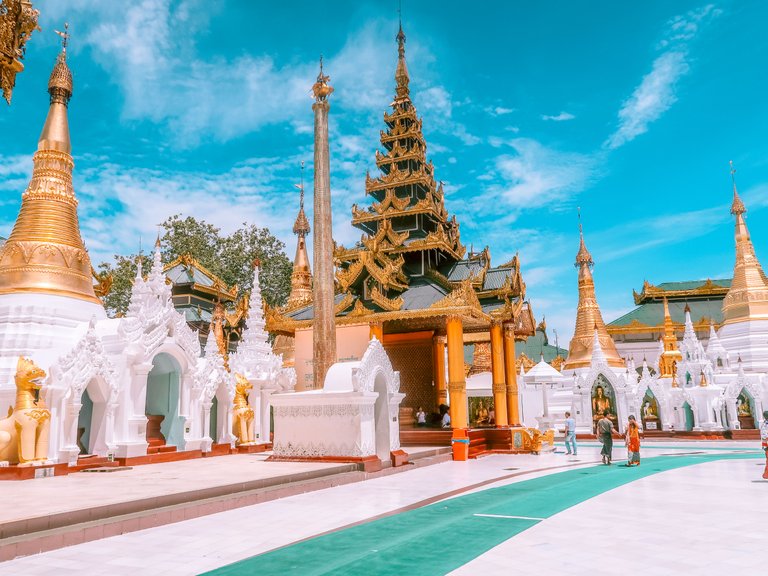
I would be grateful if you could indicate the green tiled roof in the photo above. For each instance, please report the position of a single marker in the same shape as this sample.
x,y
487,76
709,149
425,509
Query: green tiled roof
x,y
537,345
652,313
184,274
692,284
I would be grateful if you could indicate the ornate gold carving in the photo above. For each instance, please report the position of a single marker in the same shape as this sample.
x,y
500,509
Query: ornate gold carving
x,y
242,414
359,310
18,19
386,303
345,303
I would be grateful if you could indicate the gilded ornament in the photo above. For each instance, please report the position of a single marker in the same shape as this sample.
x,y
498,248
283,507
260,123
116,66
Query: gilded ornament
x,y
24,433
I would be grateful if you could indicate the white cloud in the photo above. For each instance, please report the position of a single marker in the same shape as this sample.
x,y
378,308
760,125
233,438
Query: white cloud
x,y
654,96
562,117
536,176
656,92
498,110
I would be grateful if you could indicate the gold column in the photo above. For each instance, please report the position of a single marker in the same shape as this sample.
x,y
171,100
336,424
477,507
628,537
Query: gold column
x,y
376,329
510,375
438,369
457,386
324,323
497,373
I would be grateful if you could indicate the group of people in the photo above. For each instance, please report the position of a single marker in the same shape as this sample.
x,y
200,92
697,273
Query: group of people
x,y
604,432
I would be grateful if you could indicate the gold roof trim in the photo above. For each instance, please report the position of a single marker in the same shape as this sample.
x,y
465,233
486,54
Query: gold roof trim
x,y
649,292
389,304
219,286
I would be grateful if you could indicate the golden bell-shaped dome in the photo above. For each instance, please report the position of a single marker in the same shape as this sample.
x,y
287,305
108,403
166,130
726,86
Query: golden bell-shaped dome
x,y
45,252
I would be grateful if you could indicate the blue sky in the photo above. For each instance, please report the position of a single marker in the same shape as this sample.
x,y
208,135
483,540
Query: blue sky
x,y
629,110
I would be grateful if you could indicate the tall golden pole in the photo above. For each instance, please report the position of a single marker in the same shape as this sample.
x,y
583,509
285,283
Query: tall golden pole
x,y
438,369
513,406
324,329
497,373
457,386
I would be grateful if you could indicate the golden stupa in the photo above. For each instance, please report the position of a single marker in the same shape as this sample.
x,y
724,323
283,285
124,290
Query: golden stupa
x,y
589,319
45,253
747,298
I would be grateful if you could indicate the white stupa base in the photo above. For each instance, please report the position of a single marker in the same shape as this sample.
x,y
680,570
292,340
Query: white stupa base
x,y
749,341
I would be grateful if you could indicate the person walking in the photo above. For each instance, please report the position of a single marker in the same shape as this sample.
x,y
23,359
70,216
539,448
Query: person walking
x,y
604,434
570,434
764,439
632,440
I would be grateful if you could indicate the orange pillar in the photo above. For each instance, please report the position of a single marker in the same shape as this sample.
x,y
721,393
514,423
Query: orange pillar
x,y
457,386
497,374
376,329
510,375
438,370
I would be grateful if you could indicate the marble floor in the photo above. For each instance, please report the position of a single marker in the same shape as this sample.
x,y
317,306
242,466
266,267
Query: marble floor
x,y
708,515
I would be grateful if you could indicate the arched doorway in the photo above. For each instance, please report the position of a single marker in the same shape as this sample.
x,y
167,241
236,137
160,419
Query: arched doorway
x,y
745,410
91,431
688,417
84,421
603,398
164,426
381,417
213,428
649,410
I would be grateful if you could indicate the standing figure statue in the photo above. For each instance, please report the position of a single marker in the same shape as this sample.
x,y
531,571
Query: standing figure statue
x,y
24,433
242,415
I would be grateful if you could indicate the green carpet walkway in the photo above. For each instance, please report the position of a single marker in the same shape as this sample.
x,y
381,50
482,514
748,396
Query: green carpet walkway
x,y
441,537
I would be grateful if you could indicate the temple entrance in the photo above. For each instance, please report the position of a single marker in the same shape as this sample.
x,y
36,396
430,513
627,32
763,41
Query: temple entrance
x,y
90,421
603,398
164,426
84,420
650,412
688,417
381,417
745,410
212,429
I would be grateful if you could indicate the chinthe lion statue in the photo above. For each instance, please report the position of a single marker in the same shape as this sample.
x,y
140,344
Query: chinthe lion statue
x,y
24,433
242,415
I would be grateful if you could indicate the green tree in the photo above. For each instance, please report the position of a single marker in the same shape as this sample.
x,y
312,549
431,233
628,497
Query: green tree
x,y
229,257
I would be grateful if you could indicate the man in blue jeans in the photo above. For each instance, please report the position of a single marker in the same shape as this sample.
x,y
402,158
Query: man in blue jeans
x,y
570,434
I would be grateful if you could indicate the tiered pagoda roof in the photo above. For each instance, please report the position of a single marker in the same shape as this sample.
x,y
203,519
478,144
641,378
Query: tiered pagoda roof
x,y
199,294
409,268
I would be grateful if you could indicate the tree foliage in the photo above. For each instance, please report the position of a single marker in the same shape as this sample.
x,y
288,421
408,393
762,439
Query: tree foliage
x,y
230,257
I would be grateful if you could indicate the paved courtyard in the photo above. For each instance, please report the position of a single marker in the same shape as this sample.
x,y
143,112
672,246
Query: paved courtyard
x,y
689,507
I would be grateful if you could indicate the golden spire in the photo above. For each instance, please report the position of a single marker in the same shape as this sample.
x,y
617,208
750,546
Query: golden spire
x,y
301,277
747,298
671,355
589,320
401,73
45,252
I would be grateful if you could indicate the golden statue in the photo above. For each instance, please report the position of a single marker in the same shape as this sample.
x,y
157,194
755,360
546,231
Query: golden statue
x,y
24,433
242,415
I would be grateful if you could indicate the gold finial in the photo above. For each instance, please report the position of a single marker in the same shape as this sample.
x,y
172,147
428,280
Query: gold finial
x,y
737,207
402,78
583,257
256,263
60,84
321,89
301,225
64,36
